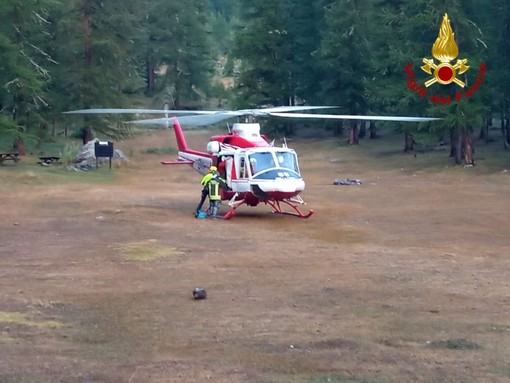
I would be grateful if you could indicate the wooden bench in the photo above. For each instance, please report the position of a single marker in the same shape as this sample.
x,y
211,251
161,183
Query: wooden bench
x,y
49,160
9,156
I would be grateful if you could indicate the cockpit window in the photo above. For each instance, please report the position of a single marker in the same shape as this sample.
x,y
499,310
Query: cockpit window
x,y
281,163
261,161
287,160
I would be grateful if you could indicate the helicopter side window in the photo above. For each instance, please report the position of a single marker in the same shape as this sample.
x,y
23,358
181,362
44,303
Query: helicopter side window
x,y
242,169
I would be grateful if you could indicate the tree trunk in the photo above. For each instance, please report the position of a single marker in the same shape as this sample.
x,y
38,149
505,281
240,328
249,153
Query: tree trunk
x,y
86,135
54,128
338,129
408,142
373,130
506,133
362,130
453,142
484,130
19,146
177,96
467,150
289,129
353,133
150,76
87,50
458,149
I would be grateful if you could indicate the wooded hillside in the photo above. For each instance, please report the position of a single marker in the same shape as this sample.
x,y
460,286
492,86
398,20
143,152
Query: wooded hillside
x,y
59,56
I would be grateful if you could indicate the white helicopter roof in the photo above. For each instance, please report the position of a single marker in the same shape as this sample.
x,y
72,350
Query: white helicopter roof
x,y
248,131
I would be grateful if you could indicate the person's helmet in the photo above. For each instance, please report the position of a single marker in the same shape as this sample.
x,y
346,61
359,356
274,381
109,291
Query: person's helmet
x,y
213,169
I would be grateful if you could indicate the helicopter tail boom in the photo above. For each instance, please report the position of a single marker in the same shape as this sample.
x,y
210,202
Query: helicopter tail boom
x,y
200,161
179,136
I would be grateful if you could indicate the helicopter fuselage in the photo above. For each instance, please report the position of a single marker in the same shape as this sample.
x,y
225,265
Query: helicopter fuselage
x,y
254,170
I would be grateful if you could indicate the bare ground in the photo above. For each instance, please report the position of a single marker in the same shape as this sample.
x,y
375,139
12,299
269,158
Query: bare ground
x,y
404,278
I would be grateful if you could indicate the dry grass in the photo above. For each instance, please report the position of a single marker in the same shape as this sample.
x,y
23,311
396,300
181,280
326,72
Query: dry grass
x,y
401,279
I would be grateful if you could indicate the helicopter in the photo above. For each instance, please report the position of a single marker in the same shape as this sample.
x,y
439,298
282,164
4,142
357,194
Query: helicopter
x,y
255,170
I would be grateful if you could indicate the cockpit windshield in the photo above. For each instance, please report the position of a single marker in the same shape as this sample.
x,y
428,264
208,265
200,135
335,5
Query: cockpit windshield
x,y
264,164
287,160
261,161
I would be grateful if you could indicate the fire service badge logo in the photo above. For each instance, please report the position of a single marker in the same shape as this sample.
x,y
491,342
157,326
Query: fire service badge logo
x,y
445,50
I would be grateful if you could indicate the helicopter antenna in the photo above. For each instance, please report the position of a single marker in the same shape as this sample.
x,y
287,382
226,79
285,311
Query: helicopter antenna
x,y
284,142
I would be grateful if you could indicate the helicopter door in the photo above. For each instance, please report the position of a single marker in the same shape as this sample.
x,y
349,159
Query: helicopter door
x,y
229,162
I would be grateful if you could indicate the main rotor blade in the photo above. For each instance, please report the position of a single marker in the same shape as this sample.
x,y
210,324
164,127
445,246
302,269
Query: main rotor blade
x,y
207,117
171,112
137,111
197,120
291,108
355,117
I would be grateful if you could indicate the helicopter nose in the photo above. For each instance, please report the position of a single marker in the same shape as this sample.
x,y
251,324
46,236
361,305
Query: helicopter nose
x,y
281,186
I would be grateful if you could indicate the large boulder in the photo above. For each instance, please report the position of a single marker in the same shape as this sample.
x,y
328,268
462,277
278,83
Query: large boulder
x,y
87,157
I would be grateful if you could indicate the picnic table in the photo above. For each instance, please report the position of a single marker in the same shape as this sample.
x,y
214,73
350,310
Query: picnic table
x,y
49,160
9,156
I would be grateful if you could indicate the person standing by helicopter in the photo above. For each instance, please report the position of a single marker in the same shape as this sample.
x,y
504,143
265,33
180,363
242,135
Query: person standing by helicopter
x,y
213,187
205,189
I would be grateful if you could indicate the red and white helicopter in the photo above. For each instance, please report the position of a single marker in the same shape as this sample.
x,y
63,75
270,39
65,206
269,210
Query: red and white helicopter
x,y
255,170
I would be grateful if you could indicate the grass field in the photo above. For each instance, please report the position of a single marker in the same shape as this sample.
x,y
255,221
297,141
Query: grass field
x,y
403,278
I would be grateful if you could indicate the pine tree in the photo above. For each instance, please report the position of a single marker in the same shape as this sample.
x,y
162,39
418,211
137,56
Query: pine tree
x,y
345,55
262,45
494,21
179,42
304,21
411,28
97,59
24,68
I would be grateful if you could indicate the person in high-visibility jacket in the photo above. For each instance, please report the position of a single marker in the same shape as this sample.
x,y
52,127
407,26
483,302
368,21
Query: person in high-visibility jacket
x,y
205,190
213,186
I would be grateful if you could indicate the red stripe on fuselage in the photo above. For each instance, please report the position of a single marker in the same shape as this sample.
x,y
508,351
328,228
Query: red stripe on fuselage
x,y
253,200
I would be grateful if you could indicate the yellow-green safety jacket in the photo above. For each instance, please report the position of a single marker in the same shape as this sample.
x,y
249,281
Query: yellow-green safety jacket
x,y
214,189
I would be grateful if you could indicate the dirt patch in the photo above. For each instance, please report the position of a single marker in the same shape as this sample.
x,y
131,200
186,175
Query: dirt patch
x,y
403,278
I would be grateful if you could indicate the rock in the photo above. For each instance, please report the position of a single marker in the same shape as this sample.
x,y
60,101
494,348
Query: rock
x,y
86,158
199,293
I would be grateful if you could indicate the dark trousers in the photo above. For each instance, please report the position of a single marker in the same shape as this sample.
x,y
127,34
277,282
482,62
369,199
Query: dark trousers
x,y
202,199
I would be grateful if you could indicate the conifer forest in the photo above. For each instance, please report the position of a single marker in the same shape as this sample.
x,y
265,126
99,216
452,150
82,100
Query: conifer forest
x,y
364,56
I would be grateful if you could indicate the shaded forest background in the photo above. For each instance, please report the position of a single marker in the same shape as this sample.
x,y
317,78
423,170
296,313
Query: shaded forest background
x,y
57,56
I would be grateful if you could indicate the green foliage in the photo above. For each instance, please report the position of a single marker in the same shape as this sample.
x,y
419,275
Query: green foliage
x,y
262,42
455,344
57,56
161,151
24,74
68,153
178,40
345,55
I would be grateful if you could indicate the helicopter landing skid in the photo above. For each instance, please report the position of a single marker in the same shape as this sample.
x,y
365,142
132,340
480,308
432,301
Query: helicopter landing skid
x,y
275,204
234,204
293,203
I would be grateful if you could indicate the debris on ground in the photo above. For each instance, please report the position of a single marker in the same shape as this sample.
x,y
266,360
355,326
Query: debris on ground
x,y
347,181
199,293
